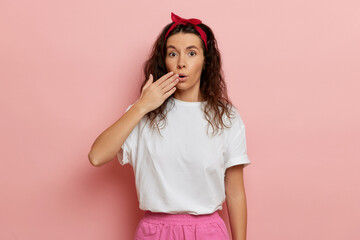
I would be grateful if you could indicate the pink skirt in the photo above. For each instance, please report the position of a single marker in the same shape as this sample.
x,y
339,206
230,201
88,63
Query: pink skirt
x,y
165,226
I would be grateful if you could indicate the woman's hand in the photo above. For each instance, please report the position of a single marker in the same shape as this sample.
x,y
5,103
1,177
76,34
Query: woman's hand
x,y
155,93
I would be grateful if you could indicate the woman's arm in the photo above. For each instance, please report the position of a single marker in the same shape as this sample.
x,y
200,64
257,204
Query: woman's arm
x,y
108,143
236,201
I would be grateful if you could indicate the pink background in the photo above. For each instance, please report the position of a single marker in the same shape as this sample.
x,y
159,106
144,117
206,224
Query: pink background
x,y
69,69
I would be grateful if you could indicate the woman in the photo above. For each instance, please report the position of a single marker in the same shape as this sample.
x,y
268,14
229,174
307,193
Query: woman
x,y
183,174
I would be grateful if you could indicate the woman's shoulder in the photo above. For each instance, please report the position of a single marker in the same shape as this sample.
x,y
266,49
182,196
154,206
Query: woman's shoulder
x,y
234,116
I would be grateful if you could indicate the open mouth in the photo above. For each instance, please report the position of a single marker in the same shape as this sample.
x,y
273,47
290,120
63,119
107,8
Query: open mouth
x,y
182,76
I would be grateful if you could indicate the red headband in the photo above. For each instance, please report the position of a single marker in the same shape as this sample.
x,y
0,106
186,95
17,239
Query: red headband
x,y
193,21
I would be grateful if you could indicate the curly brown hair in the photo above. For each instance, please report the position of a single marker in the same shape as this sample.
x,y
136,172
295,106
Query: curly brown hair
x,y
212,85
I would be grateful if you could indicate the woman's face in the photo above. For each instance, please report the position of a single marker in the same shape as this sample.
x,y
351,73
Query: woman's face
x,y
184,55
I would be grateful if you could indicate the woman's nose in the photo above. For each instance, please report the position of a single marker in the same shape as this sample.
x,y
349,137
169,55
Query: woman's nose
x,y
181,65
181,62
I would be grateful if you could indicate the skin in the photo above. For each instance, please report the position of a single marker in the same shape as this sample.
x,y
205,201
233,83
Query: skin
x,y
190,61
236,201
184,54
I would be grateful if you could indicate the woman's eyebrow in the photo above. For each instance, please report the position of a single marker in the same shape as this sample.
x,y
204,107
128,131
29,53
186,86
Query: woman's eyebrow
x,y
192,46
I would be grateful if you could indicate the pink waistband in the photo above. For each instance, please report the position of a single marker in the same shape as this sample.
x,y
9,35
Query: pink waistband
x,y
180,217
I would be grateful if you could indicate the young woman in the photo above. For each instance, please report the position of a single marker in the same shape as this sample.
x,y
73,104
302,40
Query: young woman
x,y
186,168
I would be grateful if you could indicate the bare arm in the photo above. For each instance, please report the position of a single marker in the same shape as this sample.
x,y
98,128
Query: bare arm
x,y
236,201
109,142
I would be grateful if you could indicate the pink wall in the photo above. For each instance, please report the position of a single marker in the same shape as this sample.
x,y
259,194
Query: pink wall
x,y
69,69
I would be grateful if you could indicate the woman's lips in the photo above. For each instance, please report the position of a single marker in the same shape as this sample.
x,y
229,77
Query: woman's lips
x,y
182,79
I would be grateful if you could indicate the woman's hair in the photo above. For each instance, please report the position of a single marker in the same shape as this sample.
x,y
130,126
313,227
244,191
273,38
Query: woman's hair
x,y
212,85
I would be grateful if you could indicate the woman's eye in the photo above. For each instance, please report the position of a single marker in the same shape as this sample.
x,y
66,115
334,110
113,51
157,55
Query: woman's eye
x,y
192,52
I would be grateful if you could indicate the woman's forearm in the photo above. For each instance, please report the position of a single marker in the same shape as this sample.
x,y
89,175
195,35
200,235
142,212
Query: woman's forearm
x,y
238,216
108,143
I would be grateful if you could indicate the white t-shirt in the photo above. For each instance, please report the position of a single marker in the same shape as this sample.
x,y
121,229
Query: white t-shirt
x,y
183,171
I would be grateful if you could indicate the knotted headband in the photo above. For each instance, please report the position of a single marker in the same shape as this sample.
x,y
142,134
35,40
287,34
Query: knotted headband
x,y
193,21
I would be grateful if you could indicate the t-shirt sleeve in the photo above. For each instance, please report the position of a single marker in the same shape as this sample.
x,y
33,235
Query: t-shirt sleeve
x,y
235,150
125,154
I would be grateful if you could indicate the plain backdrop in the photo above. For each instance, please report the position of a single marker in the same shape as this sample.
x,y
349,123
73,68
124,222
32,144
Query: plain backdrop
x,y
69,69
